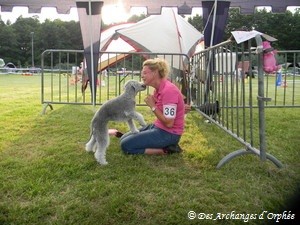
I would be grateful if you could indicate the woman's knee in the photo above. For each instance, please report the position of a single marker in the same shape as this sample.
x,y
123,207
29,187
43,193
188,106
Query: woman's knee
x,y
129,148
124,147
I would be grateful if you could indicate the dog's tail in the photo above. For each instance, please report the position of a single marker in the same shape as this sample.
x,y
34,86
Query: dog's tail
x,y
91,130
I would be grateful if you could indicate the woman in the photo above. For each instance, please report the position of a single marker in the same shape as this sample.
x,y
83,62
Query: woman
x,y
167,105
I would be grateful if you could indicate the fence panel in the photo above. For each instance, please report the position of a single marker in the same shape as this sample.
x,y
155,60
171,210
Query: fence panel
x,y
284,87
226,90
65,81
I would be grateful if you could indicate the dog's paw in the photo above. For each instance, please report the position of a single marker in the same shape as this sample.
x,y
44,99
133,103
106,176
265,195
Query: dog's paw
x,y
95,147
103,163
89,147
135,131
145,127
100,159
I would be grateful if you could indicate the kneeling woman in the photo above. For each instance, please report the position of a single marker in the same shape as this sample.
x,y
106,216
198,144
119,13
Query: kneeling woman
x,y
167,104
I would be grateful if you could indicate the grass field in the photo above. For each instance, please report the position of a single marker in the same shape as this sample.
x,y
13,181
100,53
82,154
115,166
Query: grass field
x,y
47,177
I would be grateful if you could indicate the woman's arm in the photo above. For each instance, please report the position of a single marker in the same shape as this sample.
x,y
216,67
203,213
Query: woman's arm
x,y
150,101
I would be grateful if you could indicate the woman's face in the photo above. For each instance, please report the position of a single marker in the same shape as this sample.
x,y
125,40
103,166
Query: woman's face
x,y
149,76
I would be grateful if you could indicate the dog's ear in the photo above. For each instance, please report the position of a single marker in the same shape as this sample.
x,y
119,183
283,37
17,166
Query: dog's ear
x,y
129,85
126,85
133,86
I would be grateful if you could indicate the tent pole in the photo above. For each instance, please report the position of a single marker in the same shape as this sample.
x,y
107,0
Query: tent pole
x,y
213,25
92,55
210,64
89,12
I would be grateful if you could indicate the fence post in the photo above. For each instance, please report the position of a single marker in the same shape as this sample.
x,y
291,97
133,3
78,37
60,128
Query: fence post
x,y
249,148
261,106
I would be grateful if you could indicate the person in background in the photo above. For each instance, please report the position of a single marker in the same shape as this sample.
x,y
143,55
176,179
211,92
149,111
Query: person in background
x,y
103,77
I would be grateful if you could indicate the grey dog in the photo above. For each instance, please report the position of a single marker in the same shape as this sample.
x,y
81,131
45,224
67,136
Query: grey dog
x,y
121,108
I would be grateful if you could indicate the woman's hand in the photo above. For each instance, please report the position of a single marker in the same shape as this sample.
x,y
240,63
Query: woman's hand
x,y
187,108
150,101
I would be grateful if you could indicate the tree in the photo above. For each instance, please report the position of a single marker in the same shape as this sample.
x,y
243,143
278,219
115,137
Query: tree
x,y
73,35
23,27
136,18
16,38
197,22
283,26
8,43
286,28
237,22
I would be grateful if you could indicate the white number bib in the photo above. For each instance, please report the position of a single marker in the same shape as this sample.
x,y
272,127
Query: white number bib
x,y
170,111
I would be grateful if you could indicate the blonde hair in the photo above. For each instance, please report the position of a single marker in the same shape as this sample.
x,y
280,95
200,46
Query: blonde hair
x,y
161,65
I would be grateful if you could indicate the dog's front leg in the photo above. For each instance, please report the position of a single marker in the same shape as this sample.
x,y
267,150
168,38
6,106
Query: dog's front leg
x,y
139,117
132,126
130,116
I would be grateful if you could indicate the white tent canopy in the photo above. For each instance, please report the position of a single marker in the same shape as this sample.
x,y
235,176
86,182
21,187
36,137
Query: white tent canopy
x,y
116,48
167,33
114,45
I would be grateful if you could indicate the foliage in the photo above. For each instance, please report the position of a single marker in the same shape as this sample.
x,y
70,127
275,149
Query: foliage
x,y
136,18
197,22
24,28
16,38
8,43
284,26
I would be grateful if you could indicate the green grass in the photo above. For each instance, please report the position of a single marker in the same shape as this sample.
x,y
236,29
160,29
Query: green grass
x,y
47,177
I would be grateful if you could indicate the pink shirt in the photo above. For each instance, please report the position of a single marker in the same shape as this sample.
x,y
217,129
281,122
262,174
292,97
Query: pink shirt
x,y
168,96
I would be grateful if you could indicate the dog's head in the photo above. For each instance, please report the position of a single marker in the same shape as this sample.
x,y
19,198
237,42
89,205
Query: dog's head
x,y
133,85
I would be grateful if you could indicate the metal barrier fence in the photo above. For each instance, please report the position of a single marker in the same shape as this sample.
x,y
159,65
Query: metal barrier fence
x,y
23,71
282,88
225,84
287,81
64,81
226,90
